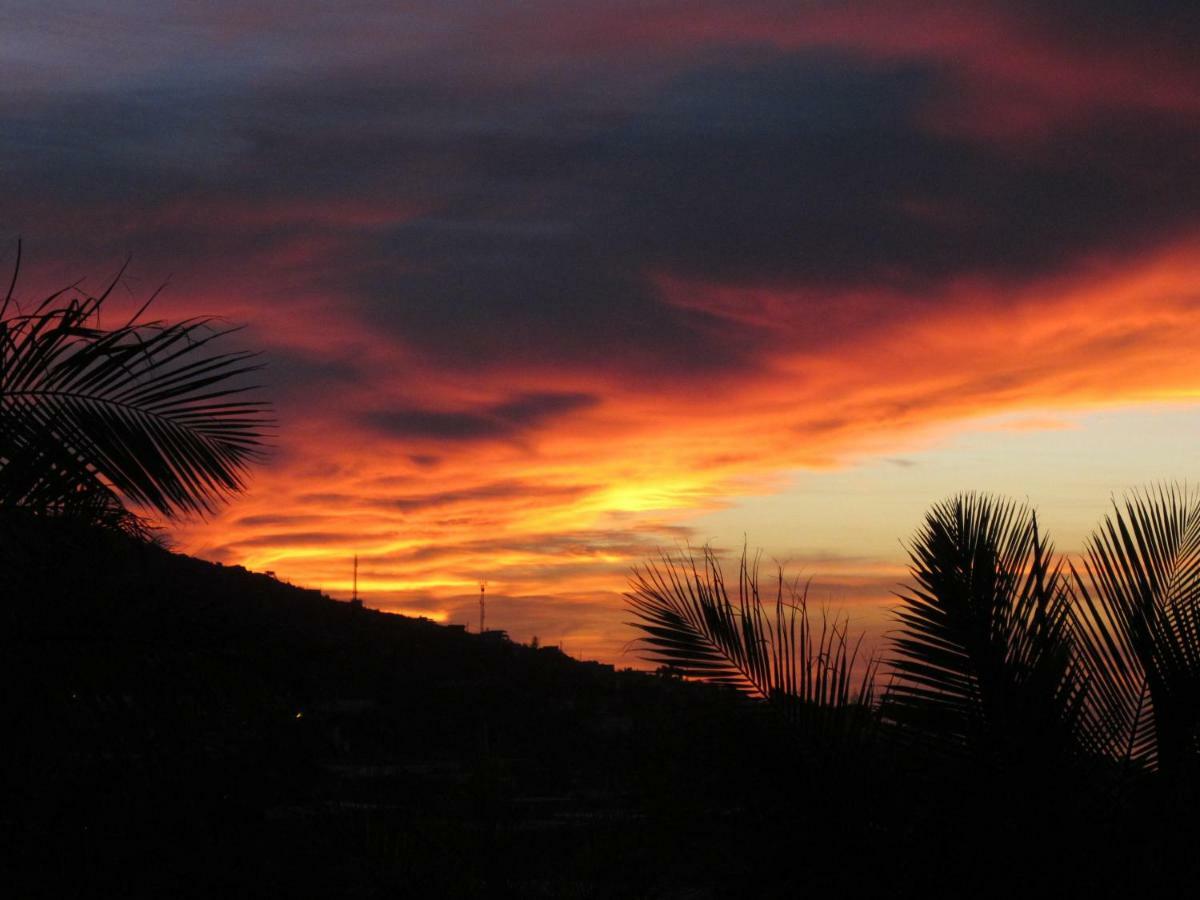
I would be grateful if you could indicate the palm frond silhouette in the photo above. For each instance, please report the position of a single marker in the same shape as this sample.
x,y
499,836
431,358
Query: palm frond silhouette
x,y
766,648
102,422
1139,621
983,659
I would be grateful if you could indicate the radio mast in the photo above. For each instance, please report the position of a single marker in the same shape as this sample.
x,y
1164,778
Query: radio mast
x,y
482,606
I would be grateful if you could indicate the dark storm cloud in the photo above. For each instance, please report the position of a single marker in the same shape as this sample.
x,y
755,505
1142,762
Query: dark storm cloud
x,y
298,375
803,171
502,420
530,213
820,171
1120,20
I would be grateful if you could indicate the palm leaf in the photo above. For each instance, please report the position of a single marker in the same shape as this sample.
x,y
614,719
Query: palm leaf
x,y
982,661
1139,623
769,650
140,415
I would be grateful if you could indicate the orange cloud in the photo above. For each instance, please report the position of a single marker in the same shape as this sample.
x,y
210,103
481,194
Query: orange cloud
x,y
567,508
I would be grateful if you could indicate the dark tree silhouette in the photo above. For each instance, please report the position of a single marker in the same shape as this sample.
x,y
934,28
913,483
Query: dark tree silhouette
x,y
105,423
1139,619
983,660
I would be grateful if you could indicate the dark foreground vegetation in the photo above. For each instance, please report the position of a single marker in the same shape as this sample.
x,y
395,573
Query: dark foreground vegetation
x,y
1038,724
177,727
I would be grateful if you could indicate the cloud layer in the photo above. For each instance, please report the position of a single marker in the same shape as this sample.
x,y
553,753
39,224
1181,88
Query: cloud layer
x,y
539,281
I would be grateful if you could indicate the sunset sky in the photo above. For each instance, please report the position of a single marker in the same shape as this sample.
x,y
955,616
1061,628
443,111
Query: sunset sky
x,y
543,287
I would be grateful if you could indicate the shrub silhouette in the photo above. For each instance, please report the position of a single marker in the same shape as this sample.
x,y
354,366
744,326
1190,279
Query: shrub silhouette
x,y
103,423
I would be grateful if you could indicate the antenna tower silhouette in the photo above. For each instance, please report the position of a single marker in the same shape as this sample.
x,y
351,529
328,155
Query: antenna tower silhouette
x,y
482,606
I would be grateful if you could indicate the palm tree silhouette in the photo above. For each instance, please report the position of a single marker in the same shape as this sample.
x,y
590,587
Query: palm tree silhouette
x,y
1005,655
983,661
1139,616
104,424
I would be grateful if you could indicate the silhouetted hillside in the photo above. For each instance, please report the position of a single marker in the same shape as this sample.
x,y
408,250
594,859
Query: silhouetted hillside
x,y
213,728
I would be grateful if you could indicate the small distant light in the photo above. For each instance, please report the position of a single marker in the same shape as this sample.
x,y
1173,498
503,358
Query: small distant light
x,y
299,715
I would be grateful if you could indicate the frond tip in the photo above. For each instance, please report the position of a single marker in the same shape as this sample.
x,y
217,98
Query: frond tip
x,y
142,415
